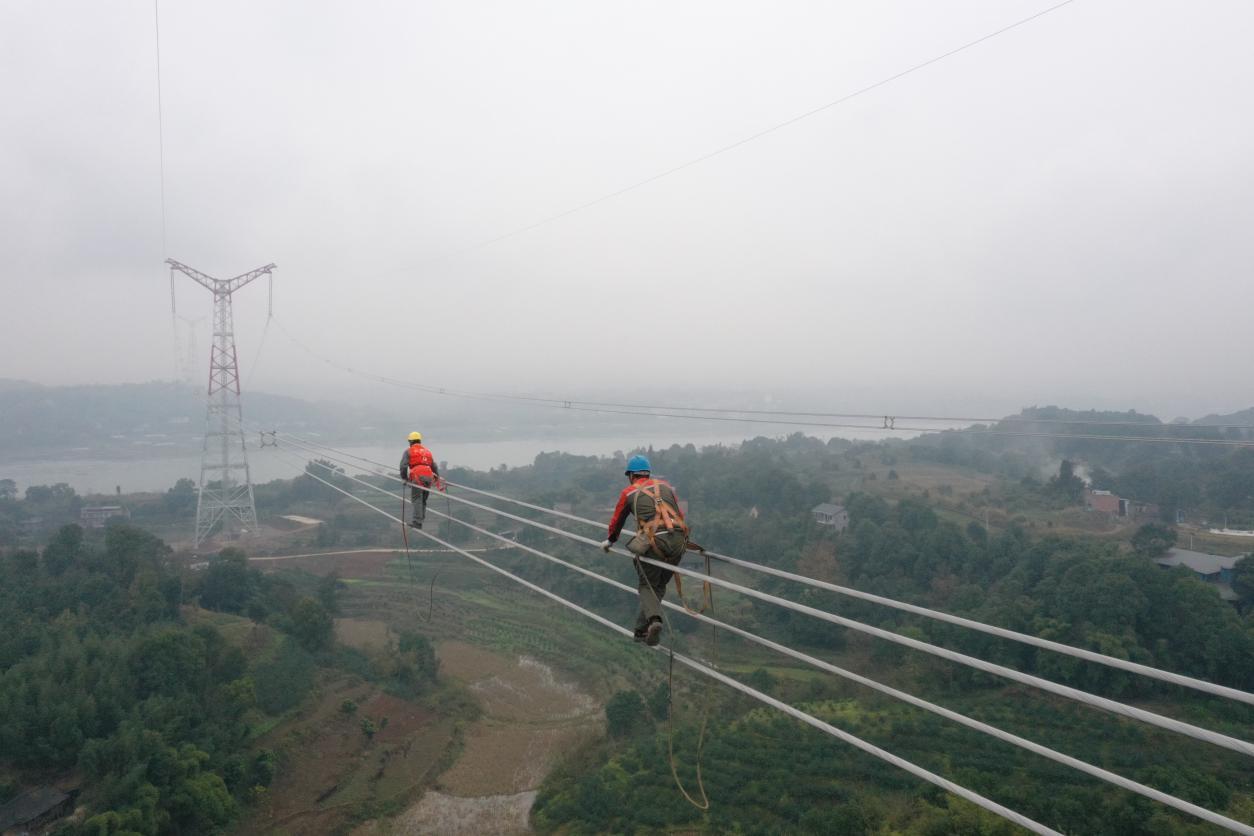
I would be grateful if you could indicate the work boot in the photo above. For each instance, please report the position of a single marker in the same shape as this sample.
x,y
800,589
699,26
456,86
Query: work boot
x,y
653,633
638,636
415,524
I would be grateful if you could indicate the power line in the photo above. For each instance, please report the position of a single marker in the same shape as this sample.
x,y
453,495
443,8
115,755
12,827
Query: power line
x,y
1000,632
1093,700
766,131
917,702
875,416
156,21
754,416
796,713
252,370
156,25
937,615
993,731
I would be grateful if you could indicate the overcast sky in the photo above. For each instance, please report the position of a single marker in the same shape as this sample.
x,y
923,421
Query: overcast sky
x,y
1062,214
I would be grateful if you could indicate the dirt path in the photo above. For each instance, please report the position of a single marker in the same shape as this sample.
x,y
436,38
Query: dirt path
x,y
530,716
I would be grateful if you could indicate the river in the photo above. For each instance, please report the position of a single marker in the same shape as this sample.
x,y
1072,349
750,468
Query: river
x,y
156,472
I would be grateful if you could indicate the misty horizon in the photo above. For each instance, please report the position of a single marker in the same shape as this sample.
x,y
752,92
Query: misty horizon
x,y
1054,216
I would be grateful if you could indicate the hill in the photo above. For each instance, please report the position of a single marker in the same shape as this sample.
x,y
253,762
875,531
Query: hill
x,y
38,421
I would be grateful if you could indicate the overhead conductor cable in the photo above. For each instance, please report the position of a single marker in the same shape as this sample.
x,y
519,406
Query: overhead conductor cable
x,y
993,731
1112,706
882,754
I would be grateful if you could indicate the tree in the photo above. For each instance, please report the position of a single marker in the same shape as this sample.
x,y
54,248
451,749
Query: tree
x,y
312,625
1152,540
1243,577
624,713
8,490
180,499
1066,485
63,550
425,661
761,679
227,583
169,662
328,592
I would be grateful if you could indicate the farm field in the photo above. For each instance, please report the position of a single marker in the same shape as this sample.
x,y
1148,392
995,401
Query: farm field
x,y
530,717
538,675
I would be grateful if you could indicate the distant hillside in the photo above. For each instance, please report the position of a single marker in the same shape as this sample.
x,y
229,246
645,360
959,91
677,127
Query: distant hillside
x,y
1245,416
38,420
1053,414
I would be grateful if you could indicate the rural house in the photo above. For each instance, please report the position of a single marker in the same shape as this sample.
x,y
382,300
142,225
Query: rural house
x,y
33,810
98,516
1212,568
833,515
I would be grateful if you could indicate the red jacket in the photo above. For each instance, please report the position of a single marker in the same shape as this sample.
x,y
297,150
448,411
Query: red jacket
x,y
421,463
624,506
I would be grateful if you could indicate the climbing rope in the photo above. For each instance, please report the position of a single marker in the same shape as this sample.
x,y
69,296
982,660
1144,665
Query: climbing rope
x,y
409,564
707,603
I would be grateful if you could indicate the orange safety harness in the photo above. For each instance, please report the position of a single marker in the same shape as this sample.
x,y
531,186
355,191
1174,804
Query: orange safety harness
x,y
667,517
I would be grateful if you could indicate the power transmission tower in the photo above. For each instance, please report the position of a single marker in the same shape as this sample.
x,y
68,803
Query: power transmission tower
x,y
223,497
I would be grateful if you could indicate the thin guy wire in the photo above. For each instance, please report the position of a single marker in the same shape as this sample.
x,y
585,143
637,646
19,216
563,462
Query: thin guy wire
x,y
869,748
566,403
977,725
156,24
1114,707
1001,632
772,129
252,370
156,20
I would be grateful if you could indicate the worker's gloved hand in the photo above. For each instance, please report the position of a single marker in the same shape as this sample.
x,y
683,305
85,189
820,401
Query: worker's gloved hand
x,y
606,545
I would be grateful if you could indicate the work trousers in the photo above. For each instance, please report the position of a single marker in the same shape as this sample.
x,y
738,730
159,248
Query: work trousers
x,y
653,579
419,492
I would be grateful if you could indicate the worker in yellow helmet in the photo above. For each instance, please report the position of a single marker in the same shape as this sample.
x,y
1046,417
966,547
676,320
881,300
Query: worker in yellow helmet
x,y
419,469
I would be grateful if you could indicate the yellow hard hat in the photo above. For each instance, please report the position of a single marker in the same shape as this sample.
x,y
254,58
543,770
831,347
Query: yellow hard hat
x,y
415,436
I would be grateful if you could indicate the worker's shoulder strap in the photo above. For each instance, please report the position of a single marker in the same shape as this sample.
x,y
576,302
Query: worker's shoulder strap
x,y
666,515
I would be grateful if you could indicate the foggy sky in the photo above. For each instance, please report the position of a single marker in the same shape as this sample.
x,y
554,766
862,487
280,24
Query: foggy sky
x,y
1059,215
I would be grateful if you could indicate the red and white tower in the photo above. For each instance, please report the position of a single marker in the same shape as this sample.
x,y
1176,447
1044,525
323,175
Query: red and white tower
x,y
223,496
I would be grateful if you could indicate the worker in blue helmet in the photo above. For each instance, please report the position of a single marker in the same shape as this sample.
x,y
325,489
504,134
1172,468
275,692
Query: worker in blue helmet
x,y
662,536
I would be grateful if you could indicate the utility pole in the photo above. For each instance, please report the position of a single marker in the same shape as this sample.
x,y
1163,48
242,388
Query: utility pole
x,y
223,498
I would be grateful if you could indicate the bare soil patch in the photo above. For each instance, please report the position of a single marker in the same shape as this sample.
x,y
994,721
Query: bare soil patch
x,y
452,816
328,766
531,715
514,689
513,759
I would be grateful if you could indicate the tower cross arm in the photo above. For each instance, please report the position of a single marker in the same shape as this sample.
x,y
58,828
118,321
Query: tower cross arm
x,y
236,283
227,286
195,275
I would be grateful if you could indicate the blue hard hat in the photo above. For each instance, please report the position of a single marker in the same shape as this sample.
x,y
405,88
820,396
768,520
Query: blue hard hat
x,y
637,464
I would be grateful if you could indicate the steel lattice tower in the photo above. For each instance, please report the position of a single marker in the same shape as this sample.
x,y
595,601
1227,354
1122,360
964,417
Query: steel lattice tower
x,y
223,497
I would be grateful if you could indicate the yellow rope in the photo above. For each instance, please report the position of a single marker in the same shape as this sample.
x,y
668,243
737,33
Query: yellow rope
x,y
704,803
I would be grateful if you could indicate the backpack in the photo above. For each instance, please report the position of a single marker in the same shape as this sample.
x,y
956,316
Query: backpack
x,y
666,520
